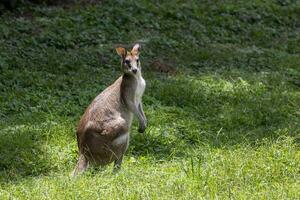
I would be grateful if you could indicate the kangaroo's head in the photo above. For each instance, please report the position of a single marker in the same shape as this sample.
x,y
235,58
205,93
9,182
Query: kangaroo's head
x,y
130,60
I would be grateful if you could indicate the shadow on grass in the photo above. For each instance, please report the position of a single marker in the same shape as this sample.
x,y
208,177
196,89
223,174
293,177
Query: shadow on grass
x,y
34,149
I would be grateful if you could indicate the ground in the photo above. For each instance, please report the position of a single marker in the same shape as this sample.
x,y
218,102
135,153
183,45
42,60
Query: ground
x,y
222,98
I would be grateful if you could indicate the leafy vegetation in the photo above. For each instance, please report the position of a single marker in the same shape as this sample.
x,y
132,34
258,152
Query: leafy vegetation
x,y
224,125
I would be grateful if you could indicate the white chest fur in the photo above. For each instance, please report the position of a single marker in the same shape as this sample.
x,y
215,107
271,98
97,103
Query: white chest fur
x,y
141,85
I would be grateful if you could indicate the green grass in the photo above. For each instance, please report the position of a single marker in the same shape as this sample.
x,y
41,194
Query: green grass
x,y
225,126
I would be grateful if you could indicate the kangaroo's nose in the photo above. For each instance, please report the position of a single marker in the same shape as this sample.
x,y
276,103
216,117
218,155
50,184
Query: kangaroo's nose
x,y
134,70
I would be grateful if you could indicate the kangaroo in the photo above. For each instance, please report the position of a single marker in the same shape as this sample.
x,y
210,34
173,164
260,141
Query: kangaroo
x,y
103,131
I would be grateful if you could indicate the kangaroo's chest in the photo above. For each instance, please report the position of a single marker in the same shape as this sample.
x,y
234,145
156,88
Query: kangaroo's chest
x,y
140,88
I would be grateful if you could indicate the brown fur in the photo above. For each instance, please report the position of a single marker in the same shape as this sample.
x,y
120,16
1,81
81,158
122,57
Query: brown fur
x,y
106,119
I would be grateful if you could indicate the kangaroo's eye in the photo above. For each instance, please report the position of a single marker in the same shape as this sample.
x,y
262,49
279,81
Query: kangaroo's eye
x,y
127,62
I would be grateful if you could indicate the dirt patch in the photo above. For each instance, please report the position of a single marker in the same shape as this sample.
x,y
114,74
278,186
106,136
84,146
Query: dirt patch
x,y
162,66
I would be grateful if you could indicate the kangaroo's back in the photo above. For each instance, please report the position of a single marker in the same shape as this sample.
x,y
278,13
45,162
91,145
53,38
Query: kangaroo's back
x,y
106,115
107,100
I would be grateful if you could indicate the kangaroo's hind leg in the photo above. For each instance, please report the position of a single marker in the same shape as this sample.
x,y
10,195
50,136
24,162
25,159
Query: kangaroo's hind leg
x,y
120,144
81,166
117,164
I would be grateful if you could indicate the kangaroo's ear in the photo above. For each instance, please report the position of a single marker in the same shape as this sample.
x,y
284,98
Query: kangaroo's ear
x,y
121,52
136,49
